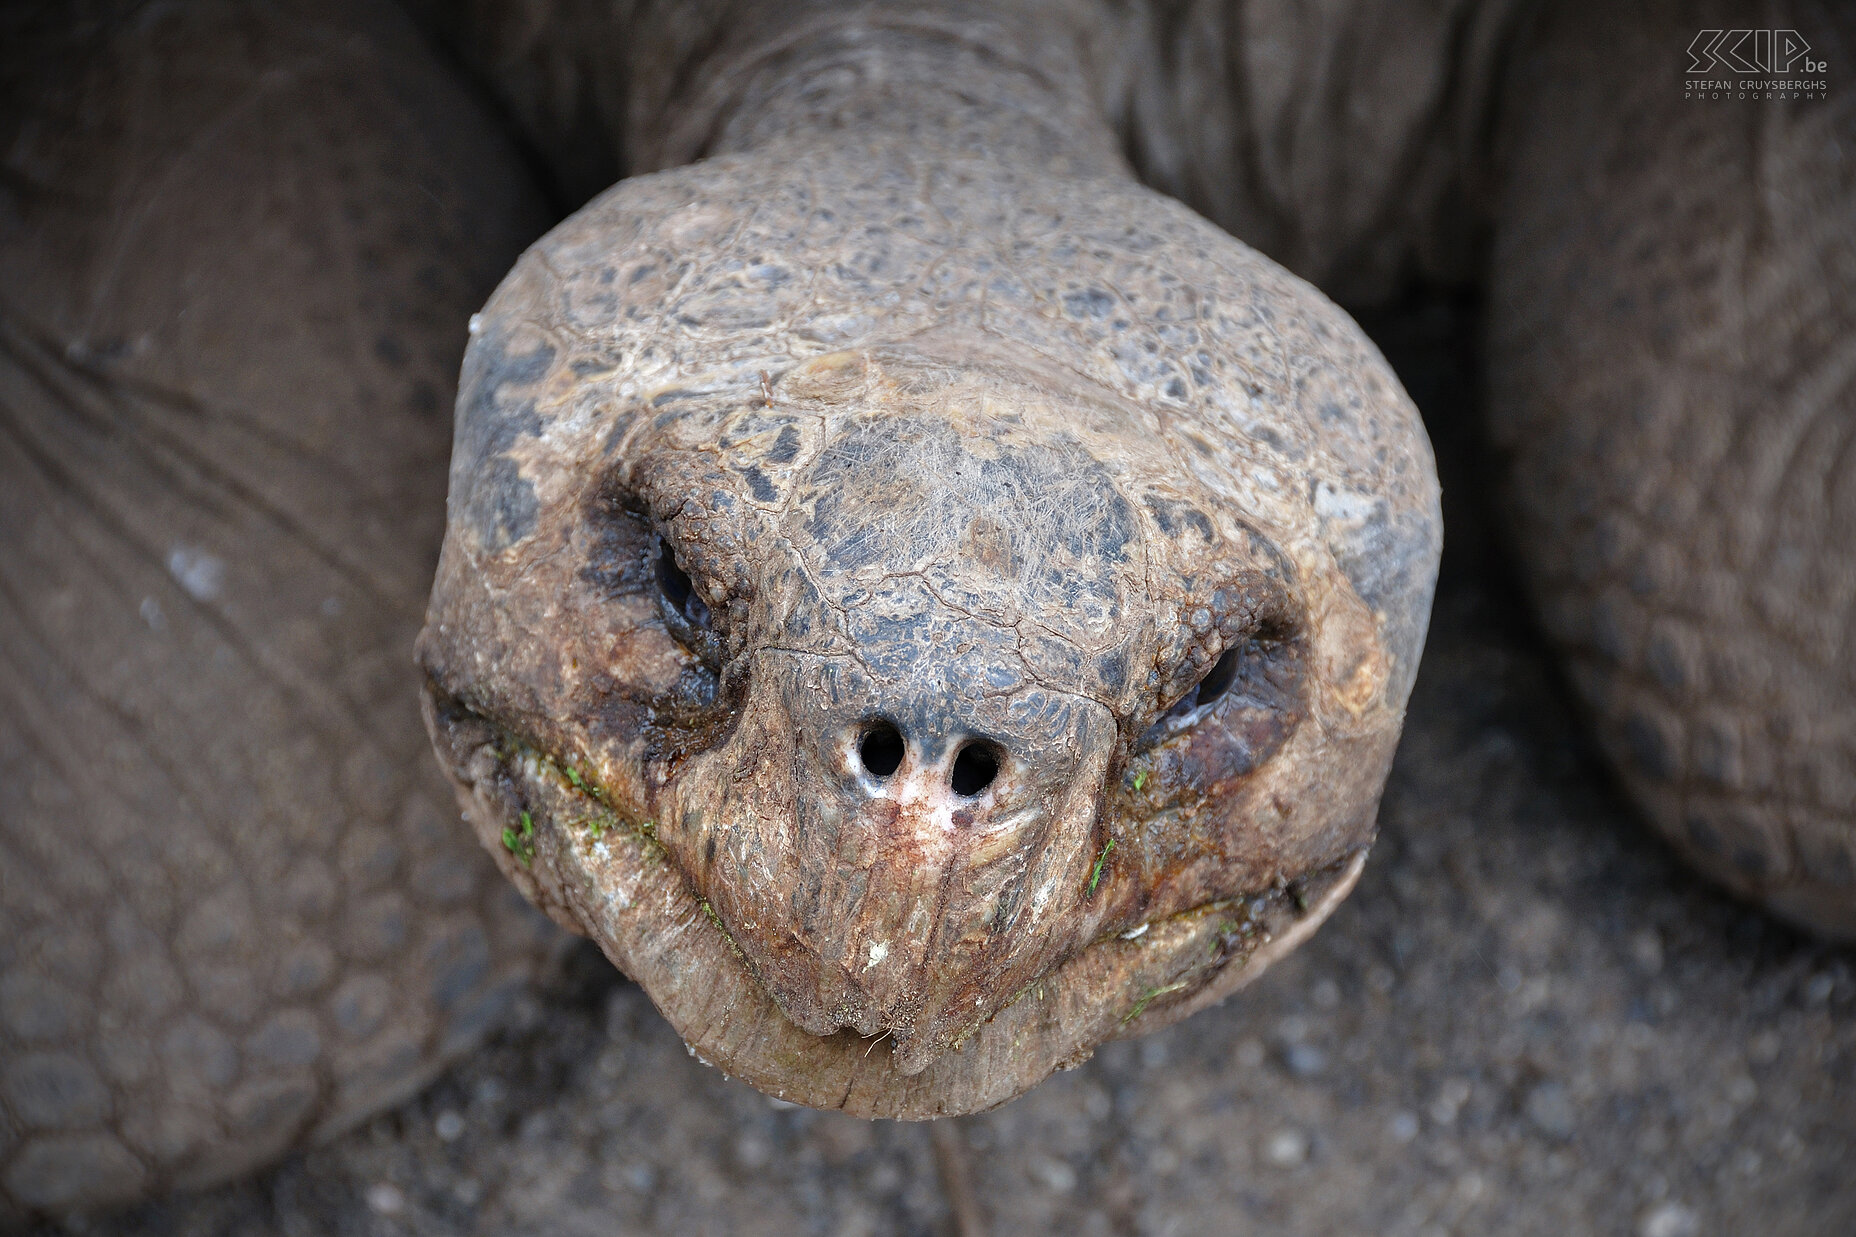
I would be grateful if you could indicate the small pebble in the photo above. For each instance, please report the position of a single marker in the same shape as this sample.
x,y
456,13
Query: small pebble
x,y
1450,1097
1286,1148
752,1152
449,1126
1669,1220
1305,1060
1646,950
385,1199
1403,1127
1550,1108
883,1178
1053,1175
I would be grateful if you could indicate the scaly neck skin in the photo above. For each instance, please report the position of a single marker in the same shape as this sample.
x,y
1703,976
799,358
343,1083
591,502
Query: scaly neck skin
x,y
1005,82
1350,145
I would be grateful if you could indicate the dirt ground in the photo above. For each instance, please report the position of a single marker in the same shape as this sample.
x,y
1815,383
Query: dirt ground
x,y
1528,1019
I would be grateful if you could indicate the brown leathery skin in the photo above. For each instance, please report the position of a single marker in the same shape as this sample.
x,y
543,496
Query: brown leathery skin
x,y
910,408
1673,365
238,247
1346,140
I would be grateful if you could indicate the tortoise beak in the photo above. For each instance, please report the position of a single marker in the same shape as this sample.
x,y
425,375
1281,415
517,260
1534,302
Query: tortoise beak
x,y
896,856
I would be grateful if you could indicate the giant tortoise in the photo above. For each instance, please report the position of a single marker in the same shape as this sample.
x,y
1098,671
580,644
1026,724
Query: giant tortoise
x,y
923,599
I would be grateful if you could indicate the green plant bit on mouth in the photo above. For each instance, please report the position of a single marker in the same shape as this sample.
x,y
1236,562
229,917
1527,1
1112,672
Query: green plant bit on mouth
x,y
728,936
1095,873
521,842
596,824
1147,997
573,775
1140,780
567,772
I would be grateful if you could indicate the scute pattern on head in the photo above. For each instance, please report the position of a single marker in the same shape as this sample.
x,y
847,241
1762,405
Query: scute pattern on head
x,y
1300,407
985,452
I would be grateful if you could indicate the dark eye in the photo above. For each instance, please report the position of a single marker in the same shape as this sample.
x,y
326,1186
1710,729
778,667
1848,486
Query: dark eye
x,y
1190,707
684,611
1217,680
679,592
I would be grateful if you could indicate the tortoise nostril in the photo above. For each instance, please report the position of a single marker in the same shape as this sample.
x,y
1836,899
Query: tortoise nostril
x,y
974,769
881,749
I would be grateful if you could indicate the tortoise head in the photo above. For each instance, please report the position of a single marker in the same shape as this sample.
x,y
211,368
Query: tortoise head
x,y
928,690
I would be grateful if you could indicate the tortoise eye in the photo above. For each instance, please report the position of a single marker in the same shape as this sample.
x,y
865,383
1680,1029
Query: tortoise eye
x,y
679,592
685,613
1251,672
1200,696
1217,680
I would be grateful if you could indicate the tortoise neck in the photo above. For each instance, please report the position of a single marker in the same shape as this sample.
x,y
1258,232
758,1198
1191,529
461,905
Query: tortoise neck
x,y
1006,81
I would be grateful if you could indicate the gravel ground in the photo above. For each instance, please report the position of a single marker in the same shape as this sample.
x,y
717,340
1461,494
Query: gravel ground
x,y
1528,1019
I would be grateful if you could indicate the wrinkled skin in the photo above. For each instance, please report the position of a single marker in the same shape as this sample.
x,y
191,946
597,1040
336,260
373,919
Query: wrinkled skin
x,y
1685,477
960,437
290,936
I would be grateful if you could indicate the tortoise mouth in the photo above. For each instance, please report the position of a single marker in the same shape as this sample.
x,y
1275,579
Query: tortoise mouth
x,y
602,873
